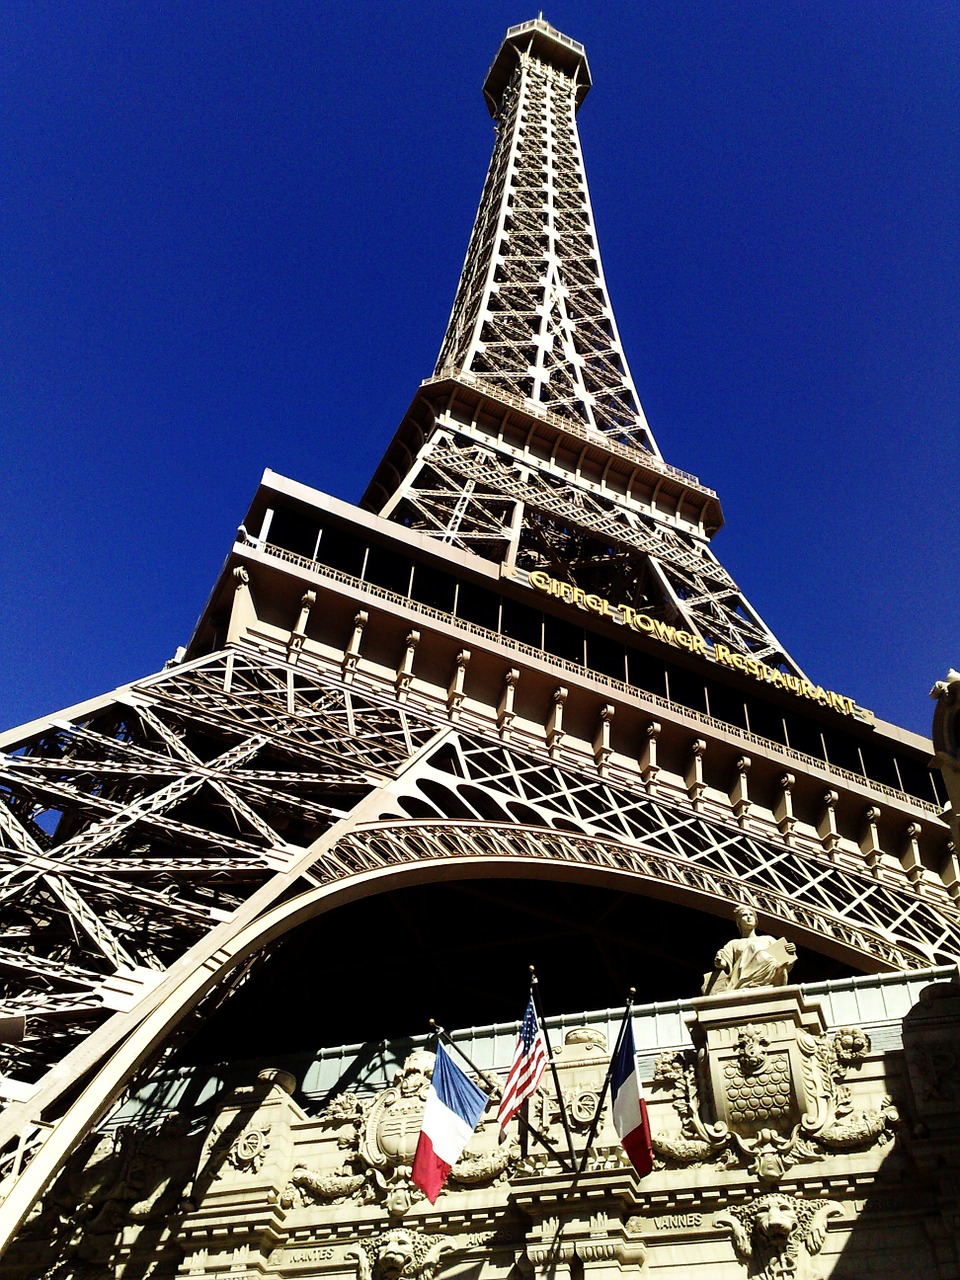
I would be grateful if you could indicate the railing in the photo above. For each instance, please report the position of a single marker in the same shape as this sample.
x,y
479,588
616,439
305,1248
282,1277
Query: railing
x,y
579,669
545,26
636,455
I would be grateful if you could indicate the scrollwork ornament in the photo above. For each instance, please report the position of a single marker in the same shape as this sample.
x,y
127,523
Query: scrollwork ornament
x,y
697,1142
831,1123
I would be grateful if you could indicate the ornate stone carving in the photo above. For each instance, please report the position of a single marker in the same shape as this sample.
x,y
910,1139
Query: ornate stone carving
x,y
777,1235
583,1060
399,1254
391,1125
472,1170
245,1153
114,1187
751,1051
240,1139
753,960
306,1186
380,1141
763,1087
249,1151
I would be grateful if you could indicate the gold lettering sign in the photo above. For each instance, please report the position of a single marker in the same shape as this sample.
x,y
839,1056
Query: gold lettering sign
x,y
680,639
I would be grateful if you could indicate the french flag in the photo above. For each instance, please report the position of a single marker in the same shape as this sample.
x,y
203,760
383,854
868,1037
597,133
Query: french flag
x,y
629,1107
453,1107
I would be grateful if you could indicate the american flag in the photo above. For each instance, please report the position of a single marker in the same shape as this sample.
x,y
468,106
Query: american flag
x,y
529,1061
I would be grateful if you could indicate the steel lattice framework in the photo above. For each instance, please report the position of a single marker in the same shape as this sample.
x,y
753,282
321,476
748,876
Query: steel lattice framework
x,y
532,325
531,315
473,494
154,841
182,798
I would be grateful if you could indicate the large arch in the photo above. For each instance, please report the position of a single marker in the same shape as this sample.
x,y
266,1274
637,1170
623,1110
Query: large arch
x,y
375,857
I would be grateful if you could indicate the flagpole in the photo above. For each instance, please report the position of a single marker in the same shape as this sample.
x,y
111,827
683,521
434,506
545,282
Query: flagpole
x,y
535,994
595,1123
495,1085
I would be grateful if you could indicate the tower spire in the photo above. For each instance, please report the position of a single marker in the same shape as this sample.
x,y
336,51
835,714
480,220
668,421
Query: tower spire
x,y
529,447
531,315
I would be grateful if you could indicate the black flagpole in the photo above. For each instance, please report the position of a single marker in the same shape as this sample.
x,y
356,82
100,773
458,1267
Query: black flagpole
x,y
494,1084
595,1123
535,996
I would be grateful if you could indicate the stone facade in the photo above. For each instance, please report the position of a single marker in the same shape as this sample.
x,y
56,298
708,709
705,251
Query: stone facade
x,y
784,1147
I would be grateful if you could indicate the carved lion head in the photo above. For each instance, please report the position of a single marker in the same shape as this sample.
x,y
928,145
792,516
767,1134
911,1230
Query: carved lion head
x,y
776,1219
396,1255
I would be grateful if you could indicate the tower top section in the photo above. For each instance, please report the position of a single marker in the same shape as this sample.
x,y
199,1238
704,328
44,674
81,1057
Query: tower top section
x,y
549,46
531,318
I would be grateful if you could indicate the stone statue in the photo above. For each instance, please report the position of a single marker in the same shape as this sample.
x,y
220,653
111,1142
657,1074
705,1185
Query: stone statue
x,y
750,961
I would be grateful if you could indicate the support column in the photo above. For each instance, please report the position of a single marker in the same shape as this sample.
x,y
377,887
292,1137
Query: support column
x,y
455,693
739,796
299,632
648,757
554,726
405,669
783,808
870,842
242,613
602,750
351,656
694,774
508,693
827,825
910,858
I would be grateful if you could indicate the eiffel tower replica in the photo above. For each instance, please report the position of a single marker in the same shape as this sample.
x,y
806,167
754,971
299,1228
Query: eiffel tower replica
x,y
518,657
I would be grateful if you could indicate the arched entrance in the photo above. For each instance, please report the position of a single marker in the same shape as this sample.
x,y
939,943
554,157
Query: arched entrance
x,y
374,858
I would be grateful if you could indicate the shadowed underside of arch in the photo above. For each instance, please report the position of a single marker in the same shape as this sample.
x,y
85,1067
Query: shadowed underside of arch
x,y
138,826
376,858
209,810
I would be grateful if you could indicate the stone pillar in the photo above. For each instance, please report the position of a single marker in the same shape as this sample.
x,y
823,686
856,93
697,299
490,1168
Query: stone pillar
x,y
243,1168
761,1075
505,711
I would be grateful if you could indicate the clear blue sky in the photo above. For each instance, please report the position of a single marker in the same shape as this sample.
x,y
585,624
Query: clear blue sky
x,y
231,235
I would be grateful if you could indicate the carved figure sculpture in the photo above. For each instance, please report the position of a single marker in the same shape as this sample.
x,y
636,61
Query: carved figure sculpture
x,y
778,1234
750,961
